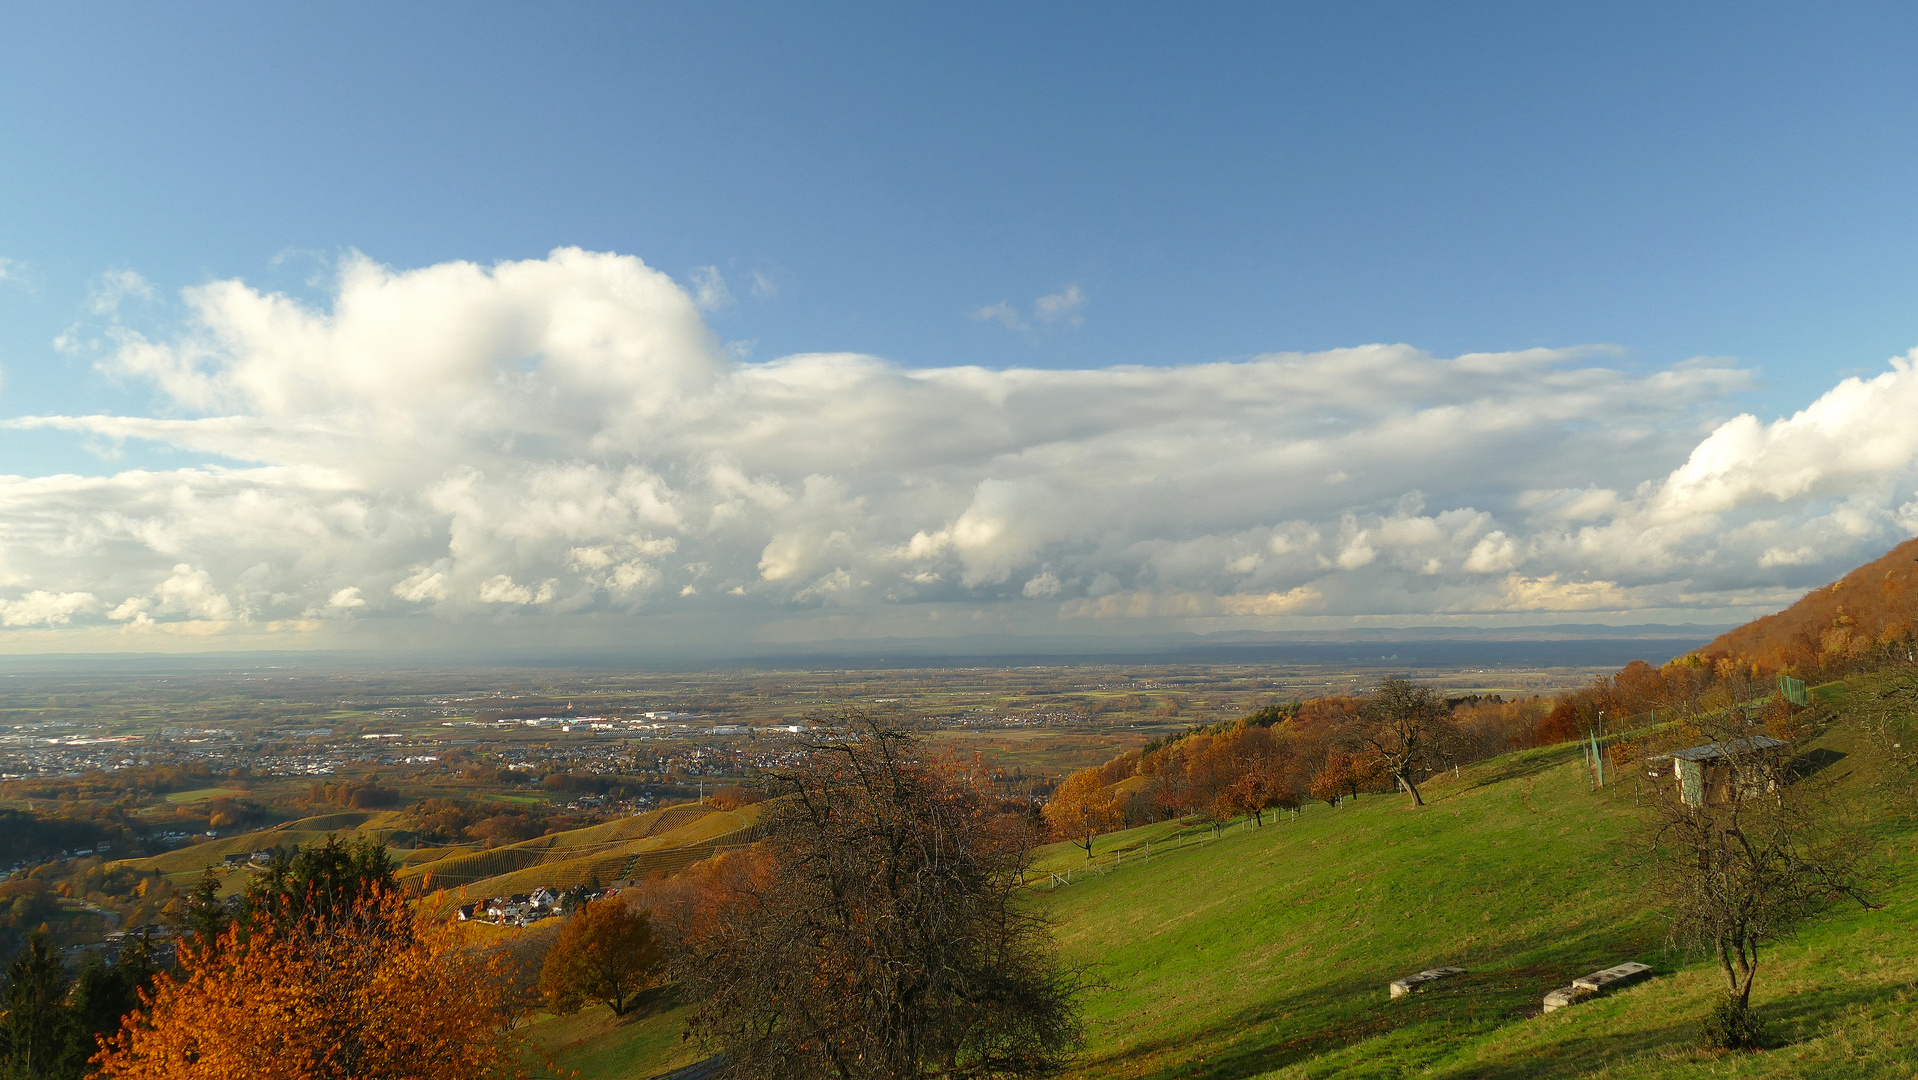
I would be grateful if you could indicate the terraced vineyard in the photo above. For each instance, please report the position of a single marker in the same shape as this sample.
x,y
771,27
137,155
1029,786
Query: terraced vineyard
x,y
661,841
187,863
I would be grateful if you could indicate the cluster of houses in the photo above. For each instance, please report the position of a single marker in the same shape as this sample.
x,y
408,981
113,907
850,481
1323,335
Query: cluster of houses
x,y
160,942
519,909
523,909
59,856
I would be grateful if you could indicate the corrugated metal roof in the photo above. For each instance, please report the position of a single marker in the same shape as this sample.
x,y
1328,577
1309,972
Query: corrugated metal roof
x,y
1714,751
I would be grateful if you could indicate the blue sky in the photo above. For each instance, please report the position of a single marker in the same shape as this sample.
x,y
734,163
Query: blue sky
x,y
1187,184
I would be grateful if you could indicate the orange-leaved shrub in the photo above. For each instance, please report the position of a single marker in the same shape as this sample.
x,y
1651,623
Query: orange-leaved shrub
x,y
372,992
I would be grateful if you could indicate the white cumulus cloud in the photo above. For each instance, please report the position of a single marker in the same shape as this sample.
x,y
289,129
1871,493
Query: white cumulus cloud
x,y
43,608
563,443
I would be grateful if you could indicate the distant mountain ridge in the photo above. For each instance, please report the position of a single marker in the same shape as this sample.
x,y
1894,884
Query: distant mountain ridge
x,y
1558,645
1154,642
1543,645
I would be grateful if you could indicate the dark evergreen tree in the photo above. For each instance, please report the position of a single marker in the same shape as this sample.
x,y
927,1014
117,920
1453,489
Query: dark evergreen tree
x,y
205,916
317,879
36,1034
103,994
578,895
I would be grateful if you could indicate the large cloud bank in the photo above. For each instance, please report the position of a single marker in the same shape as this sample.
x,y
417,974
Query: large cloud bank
x,y
562,443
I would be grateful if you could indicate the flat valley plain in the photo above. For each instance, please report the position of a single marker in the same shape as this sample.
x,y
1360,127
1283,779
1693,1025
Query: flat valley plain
x,y
301,718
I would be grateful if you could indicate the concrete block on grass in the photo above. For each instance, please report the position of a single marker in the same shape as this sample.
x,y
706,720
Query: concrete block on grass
x,y
1566,995
1591,985
1628,972
1412,983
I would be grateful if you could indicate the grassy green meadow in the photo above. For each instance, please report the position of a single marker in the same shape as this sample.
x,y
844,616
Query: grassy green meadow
x,y
595,1043
1265,953
205,793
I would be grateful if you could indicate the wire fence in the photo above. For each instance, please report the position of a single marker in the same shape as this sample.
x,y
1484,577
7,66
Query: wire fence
x,y
1146,852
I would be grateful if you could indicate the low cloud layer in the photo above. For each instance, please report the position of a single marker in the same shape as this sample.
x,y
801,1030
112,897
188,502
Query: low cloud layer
x,y
561,449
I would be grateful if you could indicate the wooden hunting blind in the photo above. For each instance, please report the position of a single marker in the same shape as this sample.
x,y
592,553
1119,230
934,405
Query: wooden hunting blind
x,y
1719,772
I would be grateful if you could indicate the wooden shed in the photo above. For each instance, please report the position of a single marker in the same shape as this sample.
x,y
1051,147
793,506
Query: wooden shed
x,y
1717,772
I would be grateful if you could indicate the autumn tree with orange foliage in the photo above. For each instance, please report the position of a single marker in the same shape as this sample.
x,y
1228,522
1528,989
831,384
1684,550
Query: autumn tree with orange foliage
x,y
1342,774
1490,726
692,903
1250,772
1081,809
606,953
372,992
1255,790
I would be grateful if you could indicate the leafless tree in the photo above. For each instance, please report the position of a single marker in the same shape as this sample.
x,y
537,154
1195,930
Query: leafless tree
x,y
1763,852
1887,708
884,935
1406,733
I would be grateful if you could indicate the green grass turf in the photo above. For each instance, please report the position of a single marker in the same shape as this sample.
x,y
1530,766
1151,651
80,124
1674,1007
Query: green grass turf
x,y
203,793
597,1044
516,800
1265,953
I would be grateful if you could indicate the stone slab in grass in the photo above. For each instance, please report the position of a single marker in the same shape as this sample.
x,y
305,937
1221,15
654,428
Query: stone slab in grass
x,y
1413,983
1589,985
1631,971
1566,995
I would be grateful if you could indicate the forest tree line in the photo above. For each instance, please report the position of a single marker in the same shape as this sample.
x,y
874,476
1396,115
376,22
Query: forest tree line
x,y
1334,747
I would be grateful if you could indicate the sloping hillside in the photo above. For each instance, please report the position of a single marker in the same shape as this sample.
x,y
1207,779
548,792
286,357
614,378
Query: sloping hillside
x,y
659,841
188,862
662,841
1266,953
1874,606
